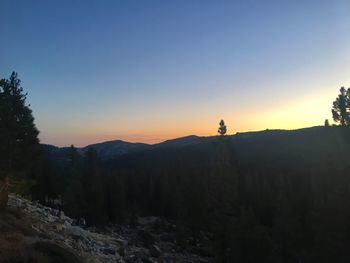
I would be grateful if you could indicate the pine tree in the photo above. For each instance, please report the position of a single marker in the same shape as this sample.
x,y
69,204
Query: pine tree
x,y
341,107
222,128
94,178
326,123
18,134
74,198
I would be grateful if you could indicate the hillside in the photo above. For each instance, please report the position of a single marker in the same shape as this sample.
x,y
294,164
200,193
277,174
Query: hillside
x,y
31,232
314,142
282,195
279,148
110,149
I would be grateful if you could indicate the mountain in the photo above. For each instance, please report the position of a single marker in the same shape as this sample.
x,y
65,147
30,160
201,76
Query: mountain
x,y
109,149
54,153
179,142
278,150
253,146
105,150
315,144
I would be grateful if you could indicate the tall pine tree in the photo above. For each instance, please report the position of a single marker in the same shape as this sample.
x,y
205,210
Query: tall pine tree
x,y
18,134
341,107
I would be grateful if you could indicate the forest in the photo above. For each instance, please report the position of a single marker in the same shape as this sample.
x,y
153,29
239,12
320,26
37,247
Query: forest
x,y
268,196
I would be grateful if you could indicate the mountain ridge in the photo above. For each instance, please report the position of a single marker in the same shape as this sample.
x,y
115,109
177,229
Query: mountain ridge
x,y
115,148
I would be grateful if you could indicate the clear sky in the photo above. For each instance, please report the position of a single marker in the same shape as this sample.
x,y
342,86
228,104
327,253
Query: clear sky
x,y
152,70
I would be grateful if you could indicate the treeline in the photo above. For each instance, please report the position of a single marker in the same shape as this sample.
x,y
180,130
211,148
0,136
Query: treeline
x,y
283,207
258,197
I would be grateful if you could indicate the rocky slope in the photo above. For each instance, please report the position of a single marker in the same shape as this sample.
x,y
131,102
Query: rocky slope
x,y
51,234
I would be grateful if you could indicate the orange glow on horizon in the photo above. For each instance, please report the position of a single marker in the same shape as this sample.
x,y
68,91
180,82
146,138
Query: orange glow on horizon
x,y
307,112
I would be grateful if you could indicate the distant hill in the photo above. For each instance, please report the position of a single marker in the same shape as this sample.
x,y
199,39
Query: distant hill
x,y
54,153
109,149
179,142
105,150
315,145
271,146
277,150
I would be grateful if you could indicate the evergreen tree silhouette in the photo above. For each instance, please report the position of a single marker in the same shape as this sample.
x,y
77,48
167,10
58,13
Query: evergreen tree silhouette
x,y
341,107
18,133
222,128
326,123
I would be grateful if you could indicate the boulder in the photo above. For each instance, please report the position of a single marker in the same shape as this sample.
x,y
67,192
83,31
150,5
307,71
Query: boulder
x,y
76,232
155,251
108,251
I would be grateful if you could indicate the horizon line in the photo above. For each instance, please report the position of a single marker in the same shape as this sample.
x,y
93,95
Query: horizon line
x,y
184,136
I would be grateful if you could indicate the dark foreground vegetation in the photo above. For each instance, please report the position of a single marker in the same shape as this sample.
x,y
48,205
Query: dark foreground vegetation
x,y
271,196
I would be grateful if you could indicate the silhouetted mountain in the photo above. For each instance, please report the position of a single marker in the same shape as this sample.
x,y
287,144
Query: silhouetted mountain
x,y
182,141
105,150
293,147
261,146
54,153
281,149
111,149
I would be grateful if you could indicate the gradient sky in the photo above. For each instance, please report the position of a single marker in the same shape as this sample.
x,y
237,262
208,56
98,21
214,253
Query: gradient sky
x,y
152,70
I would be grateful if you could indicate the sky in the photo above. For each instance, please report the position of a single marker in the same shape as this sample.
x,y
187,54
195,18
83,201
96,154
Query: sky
x,y
151,70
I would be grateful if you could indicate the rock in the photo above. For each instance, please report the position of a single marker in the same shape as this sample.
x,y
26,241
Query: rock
x,y
168,237
202,251
61,215
121,251
109,251
121,242
75,232
155,251
146,237
152,241
133,259
168,259
66,224
140,252
58,226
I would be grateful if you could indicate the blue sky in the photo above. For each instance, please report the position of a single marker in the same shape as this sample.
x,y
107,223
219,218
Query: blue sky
x,y
152,70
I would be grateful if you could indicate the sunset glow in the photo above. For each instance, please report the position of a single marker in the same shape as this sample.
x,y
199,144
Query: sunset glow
x,y
155,71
